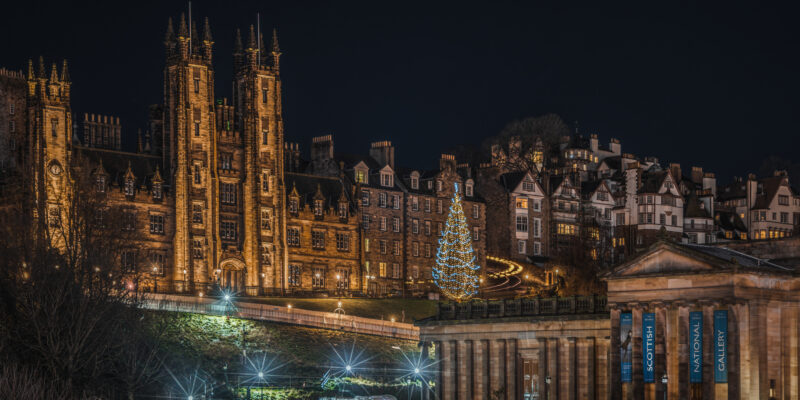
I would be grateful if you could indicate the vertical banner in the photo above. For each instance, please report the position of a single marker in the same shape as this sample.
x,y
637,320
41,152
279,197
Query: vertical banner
x,y
649,346
625,346
721,346
696,347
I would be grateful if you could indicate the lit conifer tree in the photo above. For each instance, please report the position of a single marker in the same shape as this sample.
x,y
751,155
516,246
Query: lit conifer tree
x,y
455,272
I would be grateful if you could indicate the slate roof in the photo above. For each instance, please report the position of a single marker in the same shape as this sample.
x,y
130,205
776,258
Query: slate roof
x,y
614,162
652,181
730,221
693,208
115,163
769,186
511,180
742,259
306,185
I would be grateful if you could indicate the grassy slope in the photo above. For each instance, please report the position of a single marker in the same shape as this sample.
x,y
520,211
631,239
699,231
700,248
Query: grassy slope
x,y
210,342
369,308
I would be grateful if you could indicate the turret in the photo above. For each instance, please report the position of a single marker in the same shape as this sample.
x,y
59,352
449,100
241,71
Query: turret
x,y
208,42
276,51
169,38
183,38
238,51
252,49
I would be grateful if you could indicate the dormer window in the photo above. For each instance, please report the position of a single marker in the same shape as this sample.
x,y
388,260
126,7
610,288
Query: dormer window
x,y
293,205
430,185
225,161
342,210
361,176
318,208
129,188
387,180
157,190
414,183
468,189
438,185
101,184
527,185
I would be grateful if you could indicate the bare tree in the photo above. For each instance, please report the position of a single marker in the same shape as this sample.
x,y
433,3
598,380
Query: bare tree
x,y
66,310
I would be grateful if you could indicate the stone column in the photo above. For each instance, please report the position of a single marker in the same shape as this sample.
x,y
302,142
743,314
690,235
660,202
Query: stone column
x,y
602,363
496,365
567,368
440,367
511,369
465,368
448,371
479,369
671,352
708,350
553,368
585,368
683,353
542,365
790,352
774,347
615,386
758,349
741,355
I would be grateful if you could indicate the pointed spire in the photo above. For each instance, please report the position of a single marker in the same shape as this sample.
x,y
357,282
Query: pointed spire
x,y
53,73
252,44
40,73
157,176
318,195
139,146
147,147
207,31
275,47
31,75
261,43
64,72
170,35
183,30
237,43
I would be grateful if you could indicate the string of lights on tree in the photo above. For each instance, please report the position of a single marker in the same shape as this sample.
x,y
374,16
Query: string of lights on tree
x,y
456,273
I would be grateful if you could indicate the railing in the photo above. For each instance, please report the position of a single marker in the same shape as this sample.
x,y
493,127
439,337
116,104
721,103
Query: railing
x,y
522,307
295,316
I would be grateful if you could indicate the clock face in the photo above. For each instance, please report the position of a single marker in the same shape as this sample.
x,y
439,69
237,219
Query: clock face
x,y
55,168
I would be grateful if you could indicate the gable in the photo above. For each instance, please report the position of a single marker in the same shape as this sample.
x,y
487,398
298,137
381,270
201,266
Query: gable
x,y
664,260
537,190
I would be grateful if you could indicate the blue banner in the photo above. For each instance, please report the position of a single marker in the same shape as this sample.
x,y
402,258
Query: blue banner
x,y
721,346
649,347
696,347
625,346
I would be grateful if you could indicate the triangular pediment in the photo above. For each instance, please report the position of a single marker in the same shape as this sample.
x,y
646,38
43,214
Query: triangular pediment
x,y
665,259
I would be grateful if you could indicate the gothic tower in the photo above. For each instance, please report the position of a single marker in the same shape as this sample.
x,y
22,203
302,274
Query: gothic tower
x,y
257,99
49,147
189,153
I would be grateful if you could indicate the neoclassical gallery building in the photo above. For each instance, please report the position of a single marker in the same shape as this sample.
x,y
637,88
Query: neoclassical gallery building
x,y
680,322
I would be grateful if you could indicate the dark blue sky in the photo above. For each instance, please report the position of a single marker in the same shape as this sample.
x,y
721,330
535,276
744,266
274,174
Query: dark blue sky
x,y
711,85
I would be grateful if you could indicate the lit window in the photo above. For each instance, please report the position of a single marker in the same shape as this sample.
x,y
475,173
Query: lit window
x,y
522,202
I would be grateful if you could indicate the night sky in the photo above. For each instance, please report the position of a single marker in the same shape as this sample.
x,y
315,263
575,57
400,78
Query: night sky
x,y
710,85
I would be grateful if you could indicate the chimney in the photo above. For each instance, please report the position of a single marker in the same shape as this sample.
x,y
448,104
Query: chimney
x,y
615,146
383,153
697,175
322,148
710,183
675,170
594,144
448,161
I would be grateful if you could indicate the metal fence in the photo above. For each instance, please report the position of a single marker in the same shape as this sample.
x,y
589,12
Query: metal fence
x,y
522,307
263,312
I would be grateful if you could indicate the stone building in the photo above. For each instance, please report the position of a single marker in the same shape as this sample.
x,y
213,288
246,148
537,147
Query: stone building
x,y
215,195
768,206
681,321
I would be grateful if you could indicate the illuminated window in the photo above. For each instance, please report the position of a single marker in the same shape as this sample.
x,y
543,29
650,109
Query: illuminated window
x,y
522,202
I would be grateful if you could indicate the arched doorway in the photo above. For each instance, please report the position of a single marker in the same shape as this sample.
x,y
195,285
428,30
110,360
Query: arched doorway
x,y
232,276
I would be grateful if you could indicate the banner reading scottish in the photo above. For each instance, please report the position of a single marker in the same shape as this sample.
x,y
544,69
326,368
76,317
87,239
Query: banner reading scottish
x,y
648,346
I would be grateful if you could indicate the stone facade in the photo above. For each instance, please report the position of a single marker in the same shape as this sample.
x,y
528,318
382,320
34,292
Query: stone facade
x,y
216,197
725,325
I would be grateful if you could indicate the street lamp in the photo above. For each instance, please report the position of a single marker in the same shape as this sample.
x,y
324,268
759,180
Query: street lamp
x,y
664,381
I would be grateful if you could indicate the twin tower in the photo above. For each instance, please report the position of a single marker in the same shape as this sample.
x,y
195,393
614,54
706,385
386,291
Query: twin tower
x,y
225,160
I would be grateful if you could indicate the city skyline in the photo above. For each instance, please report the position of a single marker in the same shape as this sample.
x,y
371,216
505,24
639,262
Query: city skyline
x,y
340,95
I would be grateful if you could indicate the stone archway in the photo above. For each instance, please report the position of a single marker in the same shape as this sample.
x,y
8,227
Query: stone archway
x,y
232,275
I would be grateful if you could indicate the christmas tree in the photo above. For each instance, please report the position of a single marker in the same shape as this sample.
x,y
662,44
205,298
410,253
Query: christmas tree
x,y
455,272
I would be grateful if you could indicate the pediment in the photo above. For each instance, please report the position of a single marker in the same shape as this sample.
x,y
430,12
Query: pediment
x,y
664,260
